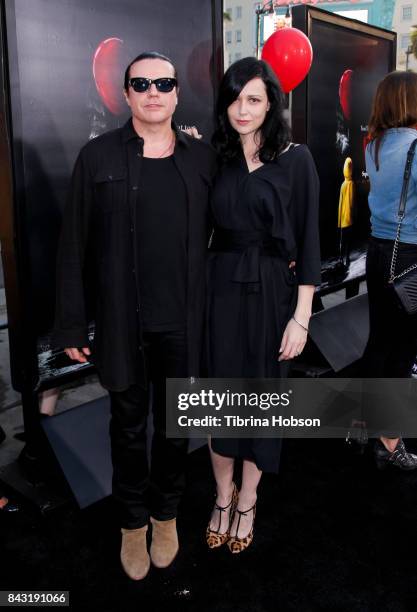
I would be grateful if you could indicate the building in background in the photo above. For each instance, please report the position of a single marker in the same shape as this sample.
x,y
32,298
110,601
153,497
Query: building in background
x,y
405,17
241,29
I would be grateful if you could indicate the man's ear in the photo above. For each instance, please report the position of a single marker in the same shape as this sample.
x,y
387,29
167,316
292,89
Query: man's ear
x,y
126,97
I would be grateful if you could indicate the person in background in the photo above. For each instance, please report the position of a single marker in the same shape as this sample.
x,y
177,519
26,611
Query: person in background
x,y
392,344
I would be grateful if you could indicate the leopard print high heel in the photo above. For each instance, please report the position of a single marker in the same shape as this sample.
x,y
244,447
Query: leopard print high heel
x,y
213,537
236,544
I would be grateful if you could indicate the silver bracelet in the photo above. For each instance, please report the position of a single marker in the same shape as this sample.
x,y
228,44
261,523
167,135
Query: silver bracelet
x,y
300,324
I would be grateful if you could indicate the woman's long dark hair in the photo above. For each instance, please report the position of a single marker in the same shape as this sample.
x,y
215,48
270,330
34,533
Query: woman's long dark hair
x,y
394,106
275,132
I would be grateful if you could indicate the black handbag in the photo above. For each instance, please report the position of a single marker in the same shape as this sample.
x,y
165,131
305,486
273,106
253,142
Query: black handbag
x,y
404,283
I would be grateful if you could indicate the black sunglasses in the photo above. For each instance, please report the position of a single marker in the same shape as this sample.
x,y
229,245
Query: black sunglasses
x,y
164,85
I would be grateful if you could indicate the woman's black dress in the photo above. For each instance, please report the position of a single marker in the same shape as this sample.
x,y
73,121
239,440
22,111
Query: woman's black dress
x,y
264,219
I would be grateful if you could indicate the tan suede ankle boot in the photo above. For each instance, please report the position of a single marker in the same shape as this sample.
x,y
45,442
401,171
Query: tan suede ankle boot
x,y
134,554
164,545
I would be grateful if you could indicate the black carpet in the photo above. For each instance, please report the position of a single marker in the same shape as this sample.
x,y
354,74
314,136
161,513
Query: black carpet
x,y
332,533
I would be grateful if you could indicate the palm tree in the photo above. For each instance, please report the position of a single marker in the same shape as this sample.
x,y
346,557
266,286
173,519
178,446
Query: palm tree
x,y
413,41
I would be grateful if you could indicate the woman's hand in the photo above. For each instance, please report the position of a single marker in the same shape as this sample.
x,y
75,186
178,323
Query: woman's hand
x,y
193,131
295,334
293,340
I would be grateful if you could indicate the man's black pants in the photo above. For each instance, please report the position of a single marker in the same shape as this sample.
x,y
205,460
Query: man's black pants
x,y
137,490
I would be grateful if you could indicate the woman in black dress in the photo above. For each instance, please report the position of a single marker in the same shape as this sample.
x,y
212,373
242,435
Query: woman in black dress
x,y
263,264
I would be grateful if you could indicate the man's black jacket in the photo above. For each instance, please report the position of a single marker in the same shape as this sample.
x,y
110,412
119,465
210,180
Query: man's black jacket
x,y
97,253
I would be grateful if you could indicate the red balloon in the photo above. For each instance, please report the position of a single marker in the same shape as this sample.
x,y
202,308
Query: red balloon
x,y
345,89
289,53
108,70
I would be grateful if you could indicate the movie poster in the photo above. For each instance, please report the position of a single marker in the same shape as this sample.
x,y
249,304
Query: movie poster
x,y
349,59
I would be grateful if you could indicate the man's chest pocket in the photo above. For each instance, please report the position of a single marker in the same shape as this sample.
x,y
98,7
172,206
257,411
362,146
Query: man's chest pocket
x,y
110,191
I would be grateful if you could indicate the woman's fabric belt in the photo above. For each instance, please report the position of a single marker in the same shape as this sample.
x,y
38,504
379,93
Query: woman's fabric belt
x,y
251,244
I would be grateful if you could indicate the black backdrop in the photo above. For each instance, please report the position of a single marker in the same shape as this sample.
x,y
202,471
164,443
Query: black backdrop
x,y
62,76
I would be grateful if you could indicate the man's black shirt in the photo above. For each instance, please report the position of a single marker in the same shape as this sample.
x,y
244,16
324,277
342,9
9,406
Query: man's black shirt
x,y
162,245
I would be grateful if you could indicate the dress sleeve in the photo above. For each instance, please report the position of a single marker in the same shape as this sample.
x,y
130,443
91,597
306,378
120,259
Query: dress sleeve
x,y
304,212
70,327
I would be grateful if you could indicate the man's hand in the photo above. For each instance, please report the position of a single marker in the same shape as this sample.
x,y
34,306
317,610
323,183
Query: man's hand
x,y
78,354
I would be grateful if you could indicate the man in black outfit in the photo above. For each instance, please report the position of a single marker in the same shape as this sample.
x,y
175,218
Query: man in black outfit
x,y
138,216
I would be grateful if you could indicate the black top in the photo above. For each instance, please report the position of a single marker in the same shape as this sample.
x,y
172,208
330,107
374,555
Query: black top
x,y
162,245
99,243
280,198
264,220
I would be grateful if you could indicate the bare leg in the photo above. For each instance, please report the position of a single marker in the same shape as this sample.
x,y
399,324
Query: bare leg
x,y
251,476
223,473
48,401
389,443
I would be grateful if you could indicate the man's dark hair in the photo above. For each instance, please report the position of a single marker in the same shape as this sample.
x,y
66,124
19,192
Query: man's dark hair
x,y
144,56
275,132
